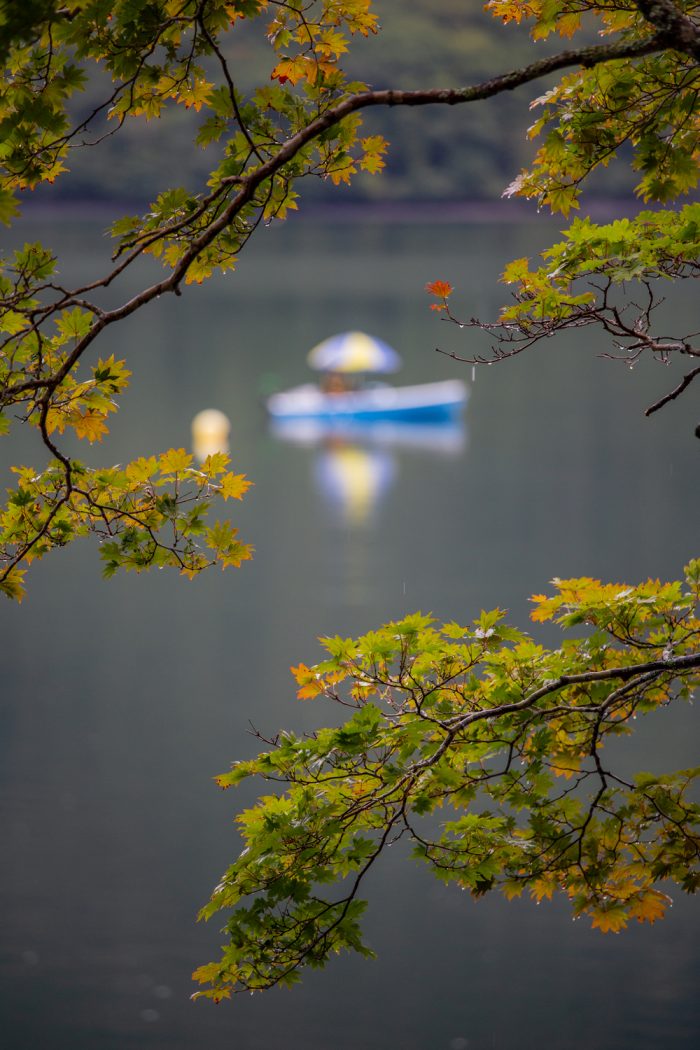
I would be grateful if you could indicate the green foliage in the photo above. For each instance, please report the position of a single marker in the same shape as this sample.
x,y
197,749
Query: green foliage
x,y
650,246
150,513
585,280
646,104
155,54
486,752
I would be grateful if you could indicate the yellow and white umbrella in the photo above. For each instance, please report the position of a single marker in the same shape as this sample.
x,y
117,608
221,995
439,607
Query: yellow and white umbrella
x,y
353,352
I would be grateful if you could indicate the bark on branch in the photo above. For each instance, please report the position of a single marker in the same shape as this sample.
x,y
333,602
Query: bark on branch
x,y
681,32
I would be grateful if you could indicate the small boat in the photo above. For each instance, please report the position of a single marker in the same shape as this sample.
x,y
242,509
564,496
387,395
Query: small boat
x,y
339,400
425,403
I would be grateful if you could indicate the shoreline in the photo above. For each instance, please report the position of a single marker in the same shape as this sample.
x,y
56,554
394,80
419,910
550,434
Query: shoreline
x,y
435,212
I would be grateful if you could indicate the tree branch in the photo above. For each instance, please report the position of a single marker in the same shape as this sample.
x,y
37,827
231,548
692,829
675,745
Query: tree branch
x,y
586,57
682,33
673,394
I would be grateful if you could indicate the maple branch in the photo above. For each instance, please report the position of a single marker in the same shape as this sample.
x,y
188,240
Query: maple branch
x,y
230,85
631,334
676,664
680,30
586,57
652,668
673,394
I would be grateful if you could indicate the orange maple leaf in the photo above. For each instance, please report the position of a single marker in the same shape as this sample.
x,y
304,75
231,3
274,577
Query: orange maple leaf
x,y
439,288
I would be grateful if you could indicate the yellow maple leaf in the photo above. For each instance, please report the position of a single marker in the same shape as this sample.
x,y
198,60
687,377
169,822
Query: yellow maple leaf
x,y
175,460
344,174
565,765
190,573
290,69
511,890
234,486
12,585
141,469
609,920
649,906
236,553
301,672
310,683
543,887
56,419
546,606
196,95
90,425
215,463
567,25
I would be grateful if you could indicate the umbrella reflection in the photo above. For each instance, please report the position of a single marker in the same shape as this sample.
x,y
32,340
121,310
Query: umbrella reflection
x,y
354,478
355,463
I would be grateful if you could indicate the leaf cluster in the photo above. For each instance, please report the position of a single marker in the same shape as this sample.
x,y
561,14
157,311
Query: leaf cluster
x,y
645,107
584,281
485,751
150,513
155,54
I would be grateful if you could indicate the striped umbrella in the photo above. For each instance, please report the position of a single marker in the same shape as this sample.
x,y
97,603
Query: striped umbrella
x,y
353,352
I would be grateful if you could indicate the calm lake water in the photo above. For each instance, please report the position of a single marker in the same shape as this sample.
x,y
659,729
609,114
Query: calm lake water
x,y
122,699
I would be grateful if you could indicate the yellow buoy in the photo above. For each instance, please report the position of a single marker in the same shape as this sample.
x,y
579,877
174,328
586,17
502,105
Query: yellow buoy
x,y
210,433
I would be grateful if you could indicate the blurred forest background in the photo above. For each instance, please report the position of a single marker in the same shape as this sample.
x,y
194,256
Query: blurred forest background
x,y
436,153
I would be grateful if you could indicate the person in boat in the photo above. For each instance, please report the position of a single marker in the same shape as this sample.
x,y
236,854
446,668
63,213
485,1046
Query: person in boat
x,y
336,383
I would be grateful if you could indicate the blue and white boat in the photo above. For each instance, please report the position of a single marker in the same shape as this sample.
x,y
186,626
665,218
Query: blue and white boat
x,y
341,399
438,402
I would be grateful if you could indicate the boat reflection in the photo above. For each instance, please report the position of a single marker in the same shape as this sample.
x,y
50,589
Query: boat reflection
x,y
356,463
449,437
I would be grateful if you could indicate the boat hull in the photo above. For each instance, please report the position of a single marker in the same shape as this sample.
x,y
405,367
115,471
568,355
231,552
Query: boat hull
x,y
425,402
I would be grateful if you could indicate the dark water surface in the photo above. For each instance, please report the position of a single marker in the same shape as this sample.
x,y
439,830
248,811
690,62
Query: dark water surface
x,y
122,699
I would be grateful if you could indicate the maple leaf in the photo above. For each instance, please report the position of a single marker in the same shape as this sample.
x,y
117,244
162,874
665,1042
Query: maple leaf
x,y
13,585
546,607
190,573
301,673
141,469
234,486
609,920
175,460
90,425
543,888
113,372
196,95
565,765
74,324
439,288
649,906
290,69
338,175
310,683
215,463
